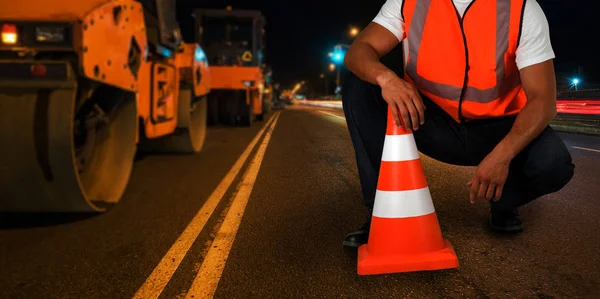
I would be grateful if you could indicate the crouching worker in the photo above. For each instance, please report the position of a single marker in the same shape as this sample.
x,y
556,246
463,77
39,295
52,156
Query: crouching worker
x,y
479,90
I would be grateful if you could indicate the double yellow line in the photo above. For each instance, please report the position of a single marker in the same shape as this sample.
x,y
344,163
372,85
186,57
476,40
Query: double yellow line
x,y
207,279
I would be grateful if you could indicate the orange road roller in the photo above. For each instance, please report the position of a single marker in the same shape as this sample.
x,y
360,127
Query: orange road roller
x,y
86,84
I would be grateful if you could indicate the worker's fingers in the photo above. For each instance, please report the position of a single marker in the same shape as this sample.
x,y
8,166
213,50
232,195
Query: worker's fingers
x,y
474,189
483,186
421,111
414,115
394,109
418,102
404,116
490,192
498,192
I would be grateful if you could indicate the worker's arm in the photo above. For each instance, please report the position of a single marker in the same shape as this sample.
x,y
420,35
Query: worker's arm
x,y
363,60
369,46
539,83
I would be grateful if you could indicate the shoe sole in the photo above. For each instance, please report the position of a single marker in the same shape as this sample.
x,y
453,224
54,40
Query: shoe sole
x,y
351,244
509,229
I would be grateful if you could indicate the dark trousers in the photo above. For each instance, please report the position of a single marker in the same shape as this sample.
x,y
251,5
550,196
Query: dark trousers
x,y
544,166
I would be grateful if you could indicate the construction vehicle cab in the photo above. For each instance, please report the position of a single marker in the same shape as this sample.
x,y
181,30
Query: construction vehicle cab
x,y
84,85
234,43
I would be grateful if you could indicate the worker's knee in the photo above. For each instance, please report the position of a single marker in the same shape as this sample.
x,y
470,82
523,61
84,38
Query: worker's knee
x,y
554,175
550,163
356,92
351,81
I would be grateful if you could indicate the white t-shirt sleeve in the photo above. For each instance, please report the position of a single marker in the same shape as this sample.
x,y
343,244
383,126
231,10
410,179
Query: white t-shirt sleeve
x,y
535,46
390,17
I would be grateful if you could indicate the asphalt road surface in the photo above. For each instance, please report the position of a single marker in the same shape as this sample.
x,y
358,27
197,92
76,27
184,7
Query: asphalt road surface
x,y
262,212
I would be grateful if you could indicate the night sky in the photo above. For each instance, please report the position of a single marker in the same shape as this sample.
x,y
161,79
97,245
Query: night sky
x,y
301,33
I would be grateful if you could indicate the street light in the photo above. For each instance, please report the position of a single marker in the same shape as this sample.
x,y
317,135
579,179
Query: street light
x,y
338,54
575,82
332,67
354,31
337,57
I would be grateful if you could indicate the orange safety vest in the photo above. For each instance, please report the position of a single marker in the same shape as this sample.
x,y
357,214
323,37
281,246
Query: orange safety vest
x,y
466,66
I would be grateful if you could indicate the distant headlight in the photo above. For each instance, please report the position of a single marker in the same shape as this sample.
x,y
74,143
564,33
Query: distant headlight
x,y
50,34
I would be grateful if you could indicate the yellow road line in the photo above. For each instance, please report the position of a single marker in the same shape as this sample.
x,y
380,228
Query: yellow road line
x,y
332,114
206,281
587,149
157,281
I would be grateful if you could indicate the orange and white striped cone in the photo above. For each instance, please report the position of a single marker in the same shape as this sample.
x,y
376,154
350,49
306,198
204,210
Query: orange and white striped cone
x,y
405,235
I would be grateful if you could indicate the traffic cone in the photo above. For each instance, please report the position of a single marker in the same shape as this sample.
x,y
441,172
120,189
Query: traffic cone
x,y
405,235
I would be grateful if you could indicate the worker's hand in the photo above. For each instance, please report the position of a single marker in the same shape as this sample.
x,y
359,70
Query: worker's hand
x,y
404,100
489,178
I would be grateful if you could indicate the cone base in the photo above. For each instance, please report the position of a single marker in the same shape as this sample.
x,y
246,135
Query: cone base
x,y
437,260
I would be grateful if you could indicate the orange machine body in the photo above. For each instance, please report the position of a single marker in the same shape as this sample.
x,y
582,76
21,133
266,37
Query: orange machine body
x,y
196,69
246,78
109,40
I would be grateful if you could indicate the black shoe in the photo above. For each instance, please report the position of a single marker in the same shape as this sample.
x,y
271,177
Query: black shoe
x,y
506,222
359,237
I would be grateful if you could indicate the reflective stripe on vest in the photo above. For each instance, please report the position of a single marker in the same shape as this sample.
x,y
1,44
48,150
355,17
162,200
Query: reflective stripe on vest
x,y
449,92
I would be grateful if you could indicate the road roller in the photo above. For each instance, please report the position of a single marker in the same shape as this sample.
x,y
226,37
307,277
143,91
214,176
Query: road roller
x,y
84,86
234,40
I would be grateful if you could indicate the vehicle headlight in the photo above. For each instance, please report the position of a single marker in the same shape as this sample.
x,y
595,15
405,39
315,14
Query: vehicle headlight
x,y
49,34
